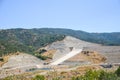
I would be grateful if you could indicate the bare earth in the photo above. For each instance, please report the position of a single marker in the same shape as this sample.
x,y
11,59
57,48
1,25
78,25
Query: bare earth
x,y
112,53
96,54
19,63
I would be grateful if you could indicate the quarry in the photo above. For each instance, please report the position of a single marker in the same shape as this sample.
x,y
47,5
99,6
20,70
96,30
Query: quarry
x,y
66,55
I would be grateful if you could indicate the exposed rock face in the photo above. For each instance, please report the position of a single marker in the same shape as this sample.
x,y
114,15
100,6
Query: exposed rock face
x,y
22,60
65,46
112,53
19,63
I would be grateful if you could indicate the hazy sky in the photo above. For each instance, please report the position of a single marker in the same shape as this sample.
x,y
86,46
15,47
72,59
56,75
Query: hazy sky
x,y
86,15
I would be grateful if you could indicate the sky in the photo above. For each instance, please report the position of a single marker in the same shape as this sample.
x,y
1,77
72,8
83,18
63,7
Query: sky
x,y
86,15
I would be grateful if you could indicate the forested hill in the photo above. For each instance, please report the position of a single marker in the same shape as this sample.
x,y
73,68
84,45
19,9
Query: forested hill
x,y
24,40
29,40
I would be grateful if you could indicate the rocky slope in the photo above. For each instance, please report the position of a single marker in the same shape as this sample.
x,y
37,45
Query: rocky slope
x,y
19,63
63,47
92,53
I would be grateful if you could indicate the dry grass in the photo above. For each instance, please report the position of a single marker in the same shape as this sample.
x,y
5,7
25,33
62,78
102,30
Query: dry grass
x,y
90,56
5,59
49,53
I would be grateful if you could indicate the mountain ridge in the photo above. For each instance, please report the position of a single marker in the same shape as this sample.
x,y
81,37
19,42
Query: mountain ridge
x,y
29,40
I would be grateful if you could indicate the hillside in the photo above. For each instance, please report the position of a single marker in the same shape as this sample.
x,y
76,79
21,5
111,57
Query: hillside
x,y
29,40
19,63
92,54
24,40
91,51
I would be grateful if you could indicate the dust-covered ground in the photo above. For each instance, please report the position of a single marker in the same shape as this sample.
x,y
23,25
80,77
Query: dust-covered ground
x,y
96,53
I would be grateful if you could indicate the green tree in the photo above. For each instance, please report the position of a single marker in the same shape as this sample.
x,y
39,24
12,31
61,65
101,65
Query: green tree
x,y
118,72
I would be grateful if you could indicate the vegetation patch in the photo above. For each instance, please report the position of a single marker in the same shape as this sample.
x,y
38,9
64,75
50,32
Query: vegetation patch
x,y
89,75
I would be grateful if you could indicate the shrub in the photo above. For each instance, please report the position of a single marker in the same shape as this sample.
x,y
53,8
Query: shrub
x,y
39,77
89,75
107,76
97,75
92,75
118,72
42,57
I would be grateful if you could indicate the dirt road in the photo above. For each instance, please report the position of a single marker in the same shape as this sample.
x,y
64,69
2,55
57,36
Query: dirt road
x,y
67,56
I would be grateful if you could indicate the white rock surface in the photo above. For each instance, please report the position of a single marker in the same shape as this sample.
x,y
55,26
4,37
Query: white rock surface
x,y
22,61
63,47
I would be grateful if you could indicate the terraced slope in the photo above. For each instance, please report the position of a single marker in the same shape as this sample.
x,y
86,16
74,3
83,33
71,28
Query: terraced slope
x,y
63,47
